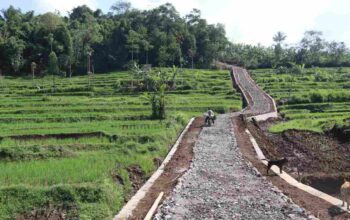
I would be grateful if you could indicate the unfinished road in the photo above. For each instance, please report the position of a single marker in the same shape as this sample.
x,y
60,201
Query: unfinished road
x,y
258,102
222,185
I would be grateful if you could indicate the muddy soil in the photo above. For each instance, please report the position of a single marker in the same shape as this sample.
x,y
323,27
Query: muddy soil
x,y
319,160
329,184
51,212
137,178
318,207
307,152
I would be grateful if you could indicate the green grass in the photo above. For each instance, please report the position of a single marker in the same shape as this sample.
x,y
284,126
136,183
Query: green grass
x,y
78,172
314,100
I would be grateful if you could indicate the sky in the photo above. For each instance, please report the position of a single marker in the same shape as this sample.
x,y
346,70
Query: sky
x,y
246,21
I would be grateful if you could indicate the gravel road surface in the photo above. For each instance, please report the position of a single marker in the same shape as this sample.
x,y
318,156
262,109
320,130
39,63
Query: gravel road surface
x,y
222,185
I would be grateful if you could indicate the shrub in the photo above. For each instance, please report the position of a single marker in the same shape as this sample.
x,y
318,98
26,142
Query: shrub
x,y
340,70
89,194
331,97
289,79
94,211
117,85
46,99
339,97
220,109
297,69
53,64
62,193
281,70
321,77
316,97
297,99
180,118
186,86
131,145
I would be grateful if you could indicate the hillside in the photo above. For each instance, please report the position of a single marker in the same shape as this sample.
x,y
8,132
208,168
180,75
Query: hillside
x,y
82,147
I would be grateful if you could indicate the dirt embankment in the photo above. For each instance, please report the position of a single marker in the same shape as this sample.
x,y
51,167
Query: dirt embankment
x,y
317,206
319,160
178,165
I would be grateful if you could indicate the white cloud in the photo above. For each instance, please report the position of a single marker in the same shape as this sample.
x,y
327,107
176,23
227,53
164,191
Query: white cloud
x,y
63,6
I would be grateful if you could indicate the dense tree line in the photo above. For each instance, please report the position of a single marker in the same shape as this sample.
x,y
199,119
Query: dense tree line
x,y
88,41
312,50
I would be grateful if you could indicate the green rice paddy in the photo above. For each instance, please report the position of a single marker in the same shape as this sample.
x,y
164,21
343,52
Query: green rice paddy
x,y
69,146
315,100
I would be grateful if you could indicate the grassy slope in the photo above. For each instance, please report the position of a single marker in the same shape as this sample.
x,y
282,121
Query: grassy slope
x,y
316,100
78,174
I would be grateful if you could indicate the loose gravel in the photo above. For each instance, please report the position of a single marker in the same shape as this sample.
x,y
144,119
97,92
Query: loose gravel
x,y
222,185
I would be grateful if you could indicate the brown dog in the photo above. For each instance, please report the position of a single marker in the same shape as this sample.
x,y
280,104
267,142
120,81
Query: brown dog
x,y
345,193
278,163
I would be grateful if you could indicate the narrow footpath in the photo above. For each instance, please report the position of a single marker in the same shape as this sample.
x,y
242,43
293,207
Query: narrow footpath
x,y
222,185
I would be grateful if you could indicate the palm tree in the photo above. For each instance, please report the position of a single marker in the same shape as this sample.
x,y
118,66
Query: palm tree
x,y
279,37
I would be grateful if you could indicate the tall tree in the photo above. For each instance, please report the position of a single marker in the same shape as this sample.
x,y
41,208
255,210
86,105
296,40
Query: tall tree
x,y
13,49
192,50
134,39
312,45
86,33
159,36
279,38
50,21
336,53
53,68
121,7
147,46
67,55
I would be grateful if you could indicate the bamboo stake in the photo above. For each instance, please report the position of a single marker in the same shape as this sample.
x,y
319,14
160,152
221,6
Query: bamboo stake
x,y
154,207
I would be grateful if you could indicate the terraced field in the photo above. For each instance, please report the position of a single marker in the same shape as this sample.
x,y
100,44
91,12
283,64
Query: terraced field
x,y
314,100
79,148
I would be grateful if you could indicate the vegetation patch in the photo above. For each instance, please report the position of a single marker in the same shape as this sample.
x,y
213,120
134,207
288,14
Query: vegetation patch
x,y
64,153
312,99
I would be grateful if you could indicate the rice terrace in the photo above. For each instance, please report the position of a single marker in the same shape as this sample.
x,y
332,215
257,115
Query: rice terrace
x,y
154,110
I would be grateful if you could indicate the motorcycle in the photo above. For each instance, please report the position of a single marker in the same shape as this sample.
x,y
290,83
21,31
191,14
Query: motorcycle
x,y
209,120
